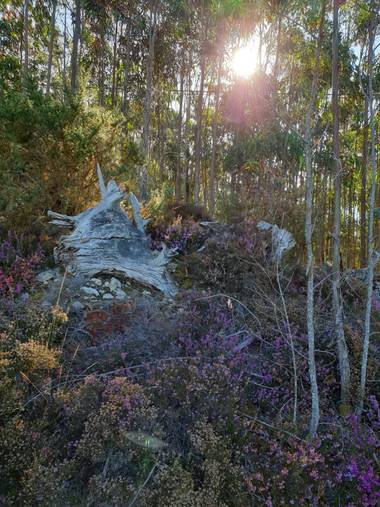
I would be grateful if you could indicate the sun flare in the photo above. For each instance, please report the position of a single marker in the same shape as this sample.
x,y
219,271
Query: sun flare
x,y
244,61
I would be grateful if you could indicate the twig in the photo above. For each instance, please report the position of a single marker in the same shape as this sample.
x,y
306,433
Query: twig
x,y
142,486
61,287
264,423
232,299
292,348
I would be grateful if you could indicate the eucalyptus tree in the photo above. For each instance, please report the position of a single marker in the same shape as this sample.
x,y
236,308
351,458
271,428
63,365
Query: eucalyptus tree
x,y
25,64
51,45
153,21
343,356
99,18
75,50
203,22
309,188
373,256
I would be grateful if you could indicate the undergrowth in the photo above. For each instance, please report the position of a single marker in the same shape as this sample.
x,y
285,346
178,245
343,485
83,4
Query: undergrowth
x,y
193,402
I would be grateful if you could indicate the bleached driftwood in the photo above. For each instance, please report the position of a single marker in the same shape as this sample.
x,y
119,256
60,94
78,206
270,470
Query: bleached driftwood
x,y
105,240
282,240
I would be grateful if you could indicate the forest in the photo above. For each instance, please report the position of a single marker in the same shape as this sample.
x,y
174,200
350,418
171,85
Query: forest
x,y
189,247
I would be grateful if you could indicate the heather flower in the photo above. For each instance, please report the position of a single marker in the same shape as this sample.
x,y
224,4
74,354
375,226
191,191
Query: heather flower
x,y
16,268
375,303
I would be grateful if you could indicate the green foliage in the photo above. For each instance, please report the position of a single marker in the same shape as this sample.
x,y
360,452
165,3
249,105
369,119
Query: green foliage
x,y
49,149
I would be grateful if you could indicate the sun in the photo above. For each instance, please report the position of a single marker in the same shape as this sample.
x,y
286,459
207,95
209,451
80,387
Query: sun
x,y
244,61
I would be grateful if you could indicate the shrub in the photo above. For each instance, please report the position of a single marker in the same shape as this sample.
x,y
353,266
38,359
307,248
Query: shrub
x,y
49,148
17,266
183,236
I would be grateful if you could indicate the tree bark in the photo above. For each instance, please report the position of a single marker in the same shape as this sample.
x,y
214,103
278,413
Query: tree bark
x,y
214,139
277,58
198,134
114,65
178,177
363,190
188,134
102,63
160,138
26,38
105,240
343,357
314,419
372,255
147,104
64,45
51,46
127,59
75,53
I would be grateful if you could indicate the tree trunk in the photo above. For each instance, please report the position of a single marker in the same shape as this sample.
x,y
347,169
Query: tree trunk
x,y
114,65
198,134
188,133
75,53
372,255
64,46
51,47
260,51
105,240
343,358
178,177
102,63
314,419
277,58
363,190
350,232
147,105
214,138
127,59
324,218
25,69
160,138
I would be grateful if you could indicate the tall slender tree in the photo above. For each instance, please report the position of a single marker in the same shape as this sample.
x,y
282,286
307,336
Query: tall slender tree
x,y
343,357
126,63
199,108
114,63
26,38
75,51
179,176
148,99
314,419
372,255
214,134
363,189
51,45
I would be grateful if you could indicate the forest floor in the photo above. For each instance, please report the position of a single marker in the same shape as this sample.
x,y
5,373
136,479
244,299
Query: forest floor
x,y
113,394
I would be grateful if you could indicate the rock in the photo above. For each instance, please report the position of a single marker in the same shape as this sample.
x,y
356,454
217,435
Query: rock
x,y
120,294
45,276
96,281
89,291
107,295
114,284
77,307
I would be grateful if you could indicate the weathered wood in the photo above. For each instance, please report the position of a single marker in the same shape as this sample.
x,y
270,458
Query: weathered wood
x,y
104,240
282,240
139,221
